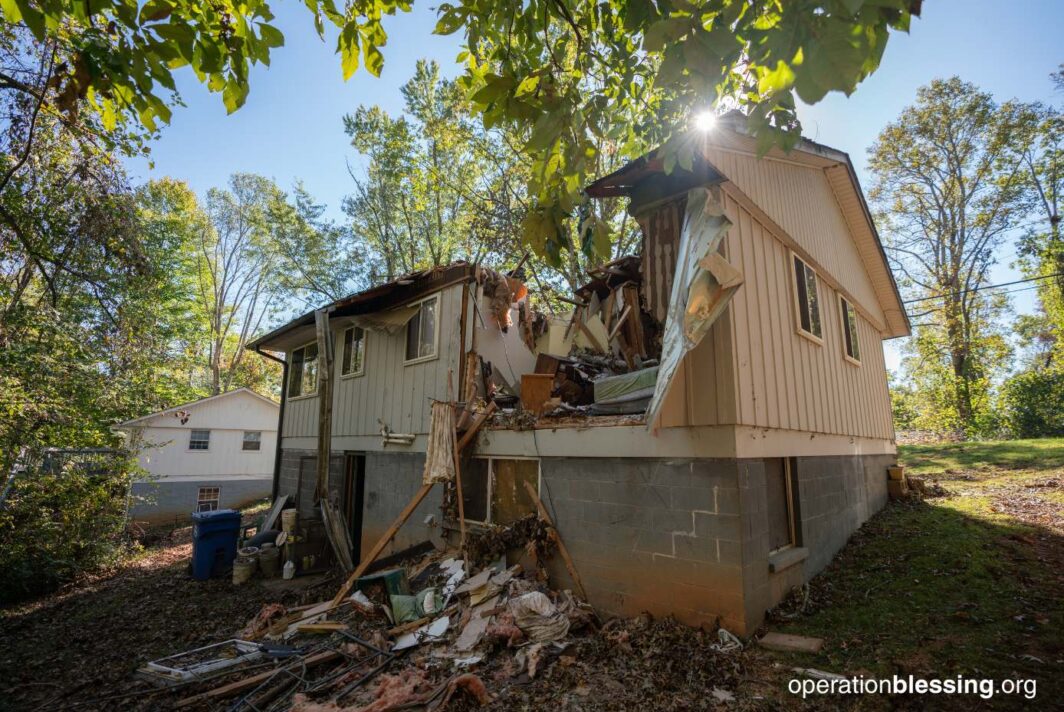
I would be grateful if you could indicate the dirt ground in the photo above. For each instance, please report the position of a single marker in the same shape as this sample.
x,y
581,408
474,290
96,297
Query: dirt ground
x,y
965,582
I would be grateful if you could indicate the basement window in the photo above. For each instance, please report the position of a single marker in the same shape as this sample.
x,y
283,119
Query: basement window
x,y
208,498
354,355
849,331
422,332
781,492
199,440
493,489
252,440
807,300
303,374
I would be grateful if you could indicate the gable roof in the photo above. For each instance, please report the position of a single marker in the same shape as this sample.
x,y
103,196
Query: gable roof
x,y
730,133
191,404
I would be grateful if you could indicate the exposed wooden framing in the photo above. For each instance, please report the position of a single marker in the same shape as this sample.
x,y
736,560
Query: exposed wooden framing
x,y
388,535
590,337
609,309
620,322
325,365
569,565
458,488
467,436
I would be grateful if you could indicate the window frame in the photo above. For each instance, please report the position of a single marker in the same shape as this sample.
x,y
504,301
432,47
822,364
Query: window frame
x,y
291,370
796,297
343,352
244,441
207,440
217,500
850,342
435,337
789,466
491,482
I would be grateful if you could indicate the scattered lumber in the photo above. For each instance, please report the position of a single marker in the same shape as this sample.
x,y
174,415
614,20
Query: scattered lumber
x,y
784,643
467,436
235,688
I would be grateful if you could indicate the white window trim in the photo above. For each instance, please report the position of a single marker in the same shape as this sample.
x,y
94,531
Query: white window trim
x,y
217,500
436,336
491,478
818,340
242,441
343,341
188,443
843,303
303,396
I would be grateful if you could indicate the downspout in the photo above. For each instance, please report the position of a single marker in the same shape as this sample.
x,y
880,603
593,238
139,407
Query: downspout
x,y
280,420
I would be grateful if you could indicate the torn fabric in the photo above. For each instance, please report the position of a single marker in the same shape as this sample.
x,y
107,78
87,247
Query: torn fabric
x,y
385,322
439,455
703,284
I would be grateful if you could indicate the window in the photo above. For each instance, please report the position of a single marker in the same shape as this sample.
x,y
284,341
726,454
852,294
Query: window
x,y
354,352
199,440
252,440
303,374
806,299
421,331
207,499
781,493
493,489
849,330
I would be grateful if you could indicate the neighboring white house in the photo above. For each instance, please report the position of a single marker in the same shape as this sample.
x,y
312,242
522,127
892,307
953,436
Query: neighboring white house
x,y
214,453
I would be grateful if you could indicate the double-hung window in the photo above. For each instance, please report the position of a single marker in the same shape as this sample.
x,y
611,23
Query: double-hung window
x,y
422,331
353,360
252,440
303,373
807,300
849,330
199,440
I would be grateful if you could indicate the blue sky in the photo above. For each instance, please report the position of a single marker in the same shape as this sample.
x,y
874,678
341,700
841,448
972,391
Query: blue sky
x,y
290,128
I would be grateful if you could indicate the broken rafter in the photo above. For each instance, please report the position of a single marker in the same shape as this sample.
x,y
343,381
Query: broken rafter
x,y
468,435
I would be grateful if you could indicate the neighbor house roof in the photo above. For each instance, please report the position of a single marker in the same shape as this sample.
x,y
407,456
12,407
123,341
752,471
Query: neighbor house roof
x,y
730,133
397,292
191,404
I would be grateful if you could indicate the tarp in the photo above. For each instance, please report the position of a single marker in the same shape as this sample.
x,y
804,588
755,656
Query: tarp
x,y
385,322
703,284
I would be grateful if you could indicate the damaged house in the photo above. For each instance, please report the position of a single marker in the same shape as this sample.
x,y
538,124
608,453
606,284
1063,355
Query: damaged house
x,y
706,427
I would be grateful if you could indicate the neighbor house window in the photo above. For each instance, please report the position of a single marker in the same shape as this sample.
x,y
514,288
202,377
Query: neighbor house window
x,y
421,331
252,440
207,499
849,330
782,496
354,352
807,299
199,440
303,374
493,489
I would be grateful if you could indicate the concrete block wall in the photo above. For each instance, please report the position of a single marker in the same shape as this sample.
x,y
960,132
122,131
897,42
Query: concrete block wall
x,y
661,536
836,495
288,482
392,480
165,500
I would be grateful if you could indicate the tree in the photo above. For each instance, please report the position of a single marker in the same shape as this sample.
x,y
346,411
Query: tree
x,y
569,76
948,183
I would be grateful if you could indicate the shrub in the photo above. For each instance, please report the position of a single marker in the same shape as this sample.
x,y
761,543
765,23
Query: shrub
x,y
1033,403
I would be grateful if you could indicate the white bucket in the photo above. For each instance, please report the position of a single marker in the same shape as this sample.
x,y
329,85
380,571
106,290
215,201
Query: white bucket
x,y
243,570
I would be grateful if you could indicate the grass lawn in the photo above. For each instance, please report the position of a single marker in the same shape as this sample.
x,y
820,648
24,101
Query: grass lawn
x,y
968,583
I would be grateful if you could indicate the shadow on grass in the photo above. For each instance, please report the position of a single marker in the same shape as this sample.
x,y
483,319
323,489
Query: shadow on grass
x,y
926,589
1043,454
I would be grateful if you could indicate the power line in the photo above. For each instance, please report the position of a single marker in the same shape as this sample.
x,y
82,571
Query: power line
x,y
987,286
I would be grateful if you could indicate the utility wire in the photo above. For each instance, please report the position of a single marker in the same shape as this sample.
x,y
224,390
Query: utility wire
x,y
986,286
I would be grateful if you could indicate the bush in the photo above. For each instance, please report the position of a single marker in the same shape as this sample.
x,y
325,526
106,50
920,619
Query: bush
x,y
1033,403
61,519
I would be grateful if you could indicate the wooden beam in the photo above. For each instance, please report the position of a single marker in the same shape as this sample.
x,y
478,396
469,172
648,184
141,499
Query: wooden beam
x,y
381,543
619,324
590,337
325,362
570,567
467,436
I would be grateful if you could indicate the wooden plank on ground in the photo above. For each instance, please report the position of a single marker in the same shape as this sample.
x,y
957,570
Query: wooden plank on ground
x,y
784,643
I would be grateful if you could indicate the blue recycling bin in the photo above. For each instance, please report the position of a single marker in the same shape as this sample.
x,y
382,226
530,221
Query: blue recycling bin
x,y
214,538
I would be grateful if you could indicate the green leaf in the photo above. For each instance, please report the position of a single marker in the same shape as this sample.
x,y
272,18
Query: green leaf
x,y
451,19
348,46
155,10
271,36
664,32
234,94
372,58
